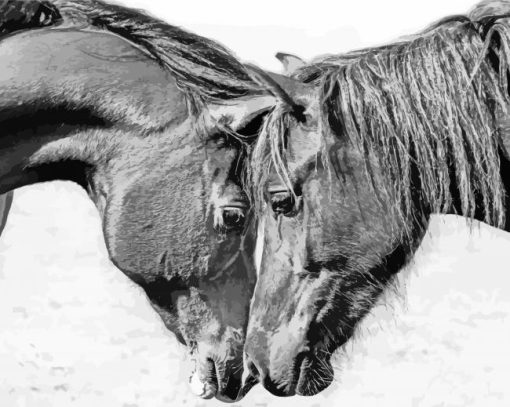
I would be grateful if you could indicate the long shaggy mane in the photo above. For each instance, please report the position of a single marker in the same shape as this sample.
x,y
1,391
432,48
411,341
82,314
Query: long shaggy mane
x,y
423,112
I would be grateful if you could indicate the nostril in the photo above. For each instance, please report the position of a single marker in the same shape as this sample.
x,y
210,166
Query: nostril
x,y
278,389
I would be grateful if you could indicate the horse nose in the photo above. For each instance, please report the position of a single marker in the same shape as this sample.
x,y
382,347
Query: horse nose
x,y
280,385
218,379
275,387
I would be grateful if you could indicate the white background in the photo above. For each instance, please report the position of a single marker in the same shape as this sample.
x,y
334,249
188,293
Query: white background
x,y
75,332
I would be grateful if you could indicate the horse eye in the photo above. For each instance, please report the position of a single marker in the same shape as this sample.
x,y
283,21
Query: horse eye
x,y
283,203
233,218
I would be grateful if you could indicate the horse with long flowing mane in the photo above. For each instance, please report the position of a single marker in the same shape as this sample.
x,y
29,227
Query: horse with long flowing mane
x,y
347,175
149,119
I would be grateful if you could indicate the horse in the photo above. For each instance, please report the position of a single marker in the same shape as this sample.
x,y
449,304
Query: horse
x,y
150,120
346,176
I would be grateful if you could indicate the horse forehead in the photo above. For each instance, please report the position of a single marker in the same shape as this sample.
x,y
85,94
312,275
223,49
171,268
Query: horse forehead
x,y
304,145
218,161
186,167
209,163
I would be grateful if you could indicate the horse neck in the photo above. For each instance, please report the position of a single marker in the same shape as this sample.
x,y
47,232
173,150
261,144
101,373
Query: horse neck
x,y
53,151
44,120
66,96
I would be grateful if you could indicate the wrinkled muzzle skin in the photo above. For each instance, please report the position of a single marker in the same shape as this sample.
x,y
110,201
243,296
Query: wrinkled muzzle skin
x,y
163,229
323,268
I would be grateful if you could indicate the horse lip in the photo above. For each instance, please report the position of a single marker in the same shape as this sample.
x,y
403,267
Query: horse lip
x,y
204,381
227,399
205,389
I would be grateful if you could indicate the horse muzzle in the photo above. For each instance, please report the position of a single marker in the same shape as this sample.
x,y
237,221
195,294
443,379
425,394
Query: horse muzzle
x,y
213,377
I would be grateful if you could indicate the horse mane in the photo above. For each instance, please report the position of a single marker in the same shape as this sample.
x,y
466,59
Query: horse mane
x,y
423,112
203,69
17,15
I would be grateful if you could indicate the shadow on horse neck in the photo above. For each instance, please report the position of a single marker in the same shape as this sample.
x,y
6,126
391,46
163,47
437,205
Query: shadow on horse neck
x,y
124,105
391,135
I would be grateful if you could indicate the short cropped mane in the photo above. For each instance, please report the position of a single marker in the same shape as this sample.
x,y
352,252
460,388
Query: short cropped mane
x,y
203,69
423,111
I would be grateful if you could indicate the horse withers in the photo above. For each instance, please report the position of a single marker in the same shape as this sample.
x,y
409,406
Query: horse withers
x,y
346,184
150,119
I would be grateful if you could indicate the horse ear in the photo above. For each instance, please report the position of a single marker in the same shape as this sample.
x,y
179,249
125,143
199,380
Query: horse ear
x,y
290,62
289,91
239,112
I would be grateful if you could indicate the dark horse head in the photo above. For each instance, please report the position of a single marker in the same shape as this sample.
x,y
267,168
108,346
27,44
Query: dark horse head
x,y
146,117
348,174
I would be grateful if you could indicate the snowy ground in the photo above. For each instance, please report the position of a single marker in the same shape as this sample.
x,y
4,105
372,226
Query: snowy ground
x,y
76,332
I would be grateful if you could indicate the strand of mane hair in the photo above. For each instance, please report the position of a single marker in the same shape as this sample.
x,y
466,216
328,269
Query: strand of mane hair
x,y
205,70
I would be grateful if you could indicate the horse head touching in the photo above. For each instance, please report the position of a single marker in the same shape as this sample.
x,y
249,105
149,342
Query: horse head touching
x,y
151,121
344,191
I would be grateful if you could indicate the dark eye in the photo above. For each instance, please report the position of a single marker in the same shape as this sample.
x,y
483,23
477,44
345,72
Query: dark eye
x,y
283,203
233,218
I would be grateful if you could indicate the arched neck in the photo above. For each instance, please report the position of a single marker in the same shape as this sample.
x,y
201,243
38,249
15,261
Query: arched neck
x,y
44,147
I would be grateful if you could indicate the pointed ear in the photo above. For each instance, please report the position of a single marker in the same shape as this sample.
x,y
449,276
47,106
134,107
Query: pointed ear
x,y
237,113
290,62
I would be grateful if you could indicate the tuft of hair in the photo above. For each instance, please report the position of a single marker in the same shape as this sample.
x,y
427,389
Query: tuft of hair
x,y
423,111
16,15
489,9
204,69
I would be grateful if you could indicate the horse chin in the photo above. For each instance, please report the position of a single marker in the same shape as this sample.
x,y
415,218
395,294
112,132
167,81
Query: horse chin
x,y
202,380
315,375
208,388
204,389
206,382
226,399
